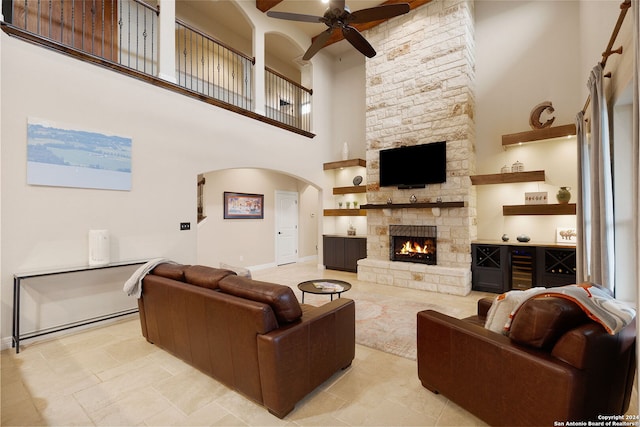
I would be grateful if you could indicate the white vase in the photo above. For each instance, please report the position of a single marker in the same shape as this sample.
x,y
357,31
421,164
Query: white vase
x,y
345,151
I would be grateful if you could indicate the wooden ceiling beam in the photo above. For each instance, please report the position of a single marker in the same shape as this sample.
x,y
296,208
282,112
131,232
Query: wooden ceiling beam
x,y
264,5
337,35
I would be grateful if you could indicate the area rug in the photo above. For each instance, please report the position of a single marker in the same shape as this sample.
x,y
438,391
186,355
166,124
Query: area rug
x,y
386,323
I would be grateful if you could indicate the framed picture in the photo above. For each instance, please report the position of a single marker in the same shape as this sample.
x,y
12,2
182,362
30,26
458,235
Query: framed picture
x,y
69,156
566,236
536,198
243,206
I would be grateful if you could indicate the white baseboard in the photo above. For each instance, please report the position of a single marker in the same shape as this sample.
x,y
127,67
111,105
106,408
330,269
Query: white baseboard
x,y
262,266
5,343
273,264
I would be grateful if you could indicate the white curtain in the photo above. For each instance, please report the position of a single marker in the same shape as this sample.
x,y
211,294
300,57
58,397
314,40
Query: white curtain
x,y
635,10
596,193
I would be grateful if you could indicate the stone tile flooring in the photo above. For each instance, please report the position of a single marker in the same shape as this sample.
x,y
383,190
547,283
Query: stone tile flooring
x,y
111,376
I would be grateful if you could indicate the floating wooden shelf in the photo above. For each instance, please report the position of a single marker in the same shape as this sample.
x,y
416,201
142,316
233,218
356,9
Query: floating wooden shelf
x,y
555,209
507,178
413,205
345,164
538,134
345,212
350,190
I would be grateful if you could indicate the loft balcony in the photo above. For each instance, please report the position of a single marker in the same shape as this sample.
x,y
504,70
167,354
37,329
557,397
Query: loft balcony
x,y
128,36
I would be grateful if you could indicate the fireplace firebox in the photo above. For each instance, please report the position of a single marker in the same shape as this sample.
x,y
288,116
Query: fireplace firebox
x,y
413,243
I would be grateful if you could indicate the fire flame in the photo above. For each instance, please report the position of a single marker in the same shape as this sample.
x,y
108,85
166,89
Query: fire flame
x,y
408,248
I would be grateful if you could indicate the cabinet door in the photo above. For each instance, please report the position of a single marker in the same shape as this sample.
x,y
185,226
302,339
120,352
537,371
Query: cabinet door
x,y
354,249
333,252
489,267
556,266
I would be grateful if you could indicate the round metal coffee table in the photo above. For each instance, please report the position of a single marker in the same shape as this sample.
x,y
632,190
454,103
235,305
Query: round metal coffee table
x,y
324,286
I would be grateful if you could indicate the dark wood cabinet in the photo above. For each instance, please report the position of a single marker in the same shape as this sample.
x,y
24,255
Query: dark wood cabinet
x,y
499,267
489,268
556,266
343,252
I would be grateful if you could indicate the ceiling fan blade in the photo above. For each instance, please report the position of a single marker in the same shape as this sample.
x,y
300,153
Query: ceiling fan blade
x,y
379,12
354,37
317,44
295,17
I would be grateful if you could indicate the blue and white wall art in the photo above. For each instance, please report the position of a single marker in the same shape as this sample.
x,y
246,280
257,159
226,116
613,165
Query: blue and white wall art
x,y
64,157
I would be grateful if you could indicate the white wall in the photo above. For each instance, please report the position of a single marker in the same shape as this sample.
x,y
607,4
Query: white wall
x,y
349,104
527,52
174,139
245,242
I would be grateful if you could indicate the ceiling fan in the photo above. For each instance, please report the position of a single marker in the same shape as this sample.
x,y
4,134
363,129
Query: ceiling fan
x,y
338,16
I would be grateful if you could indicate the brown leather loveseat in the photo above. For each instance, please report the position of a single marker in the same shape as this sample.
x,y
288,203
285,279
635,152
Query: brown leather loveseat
x,y
252,336
556,365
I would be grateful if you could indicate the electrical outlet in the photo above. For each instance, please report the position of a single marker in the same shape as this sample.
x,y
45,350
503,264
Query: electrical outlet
x,y
185,226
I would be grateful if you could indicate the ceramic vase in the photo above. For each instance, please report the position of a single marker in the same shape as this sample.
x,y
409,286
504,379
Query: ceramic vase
x,y
345,151
564,195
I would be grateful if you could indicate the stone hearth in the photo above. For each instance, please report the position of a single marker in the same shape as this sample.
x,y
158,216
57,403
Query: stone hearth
x,y
419,90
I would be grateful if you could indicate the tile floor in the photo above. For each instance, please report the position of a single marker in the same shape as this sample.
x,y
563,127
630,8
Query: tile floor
x,y
111,376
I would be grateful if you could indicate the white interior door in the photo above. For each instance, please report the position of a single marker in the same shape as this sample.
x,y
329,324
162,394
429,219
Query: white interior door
x,y
286,227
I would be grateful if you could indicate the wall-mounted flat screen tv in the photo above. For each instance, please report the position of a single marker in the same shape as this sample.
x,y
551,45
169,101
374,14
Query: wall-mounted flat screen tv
x,y
414,166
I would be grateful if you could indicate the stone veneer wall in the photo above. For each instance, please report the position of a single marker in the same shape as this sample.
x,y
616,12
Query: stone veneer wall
x,y
419,89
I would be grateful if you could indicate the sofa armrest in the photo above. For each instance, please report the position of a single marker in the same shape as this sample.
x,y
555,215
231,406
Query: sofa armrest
x,y
485,373
297,358
484,304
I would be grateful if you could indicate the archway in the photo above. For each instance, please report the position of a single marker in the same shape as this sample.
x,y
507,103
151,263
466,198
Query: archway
x,y
250,243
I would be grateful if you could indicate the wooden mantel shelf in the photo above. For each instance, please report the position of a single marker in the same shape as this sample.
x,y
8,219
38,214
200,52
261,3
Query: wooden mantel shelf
x,y
538,134
551,209
508,178
344,212
345,164
350,190
413,205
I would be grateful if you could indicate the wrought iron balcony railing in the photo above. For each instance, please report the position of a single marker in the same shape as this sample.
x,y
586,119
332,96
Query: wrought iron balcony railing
x,y
126,32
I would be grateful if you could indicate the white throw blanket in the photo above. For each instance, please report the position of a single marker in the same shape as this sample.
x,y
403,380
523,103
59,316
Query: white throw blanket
x,y
133,285
612,314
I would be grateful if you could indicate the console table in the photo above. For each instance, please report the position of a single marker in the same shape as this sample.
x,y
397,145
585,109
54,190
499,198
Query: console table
x,y
18,278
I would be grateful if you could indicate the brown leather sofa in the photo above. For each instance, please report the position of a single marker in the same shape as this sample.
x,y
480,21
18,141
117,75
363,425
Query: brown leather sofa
x,y
252,336
556,365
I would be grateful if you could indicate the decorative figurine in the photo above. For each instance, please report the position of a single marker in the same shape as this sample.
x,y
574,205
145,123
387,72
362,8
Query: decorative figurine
x,y
534,119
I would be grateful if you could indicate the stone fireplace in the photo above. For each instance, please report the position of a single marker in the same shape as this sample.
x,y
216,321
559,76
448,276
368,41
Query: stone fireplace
x,y
419,89
413,243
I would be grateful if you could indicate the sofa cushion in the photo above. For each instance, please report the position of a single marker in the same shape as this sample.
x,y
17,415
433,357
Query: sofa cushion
x,y
170,271
541,321
280,298
206,277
